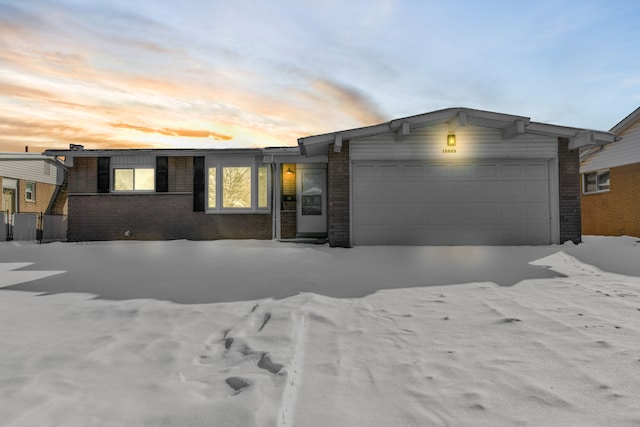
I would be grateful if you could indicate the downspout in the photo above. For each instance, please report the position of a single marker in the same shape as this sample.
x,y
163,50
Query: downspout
x,y
276,232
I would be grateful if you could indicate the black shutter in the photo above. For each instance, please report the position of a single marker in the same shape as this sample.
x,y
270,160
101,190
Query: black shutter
x,y
198,184
162,174
103,174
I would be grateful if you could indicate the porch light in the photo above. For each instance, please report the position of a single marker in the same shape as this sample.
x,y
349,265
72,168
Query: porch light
x,y
289,171
451,140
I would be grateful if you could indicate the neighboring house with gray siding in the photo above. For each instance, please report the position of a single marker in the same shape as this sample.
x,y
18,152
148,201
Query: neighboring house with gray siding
x,y
31,183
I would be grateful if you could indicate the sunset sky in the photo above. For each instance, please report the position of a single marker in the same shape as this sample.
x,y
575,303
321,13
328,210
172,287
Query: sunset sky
x,y
233,74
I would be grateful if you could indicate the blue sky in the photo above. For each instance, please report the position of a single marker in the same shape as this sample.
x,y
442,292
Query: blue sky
x,y
242,73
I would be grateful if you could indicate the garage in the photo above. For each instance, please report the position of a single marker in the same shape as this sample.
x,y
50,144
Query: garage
x,y
501,202
457,176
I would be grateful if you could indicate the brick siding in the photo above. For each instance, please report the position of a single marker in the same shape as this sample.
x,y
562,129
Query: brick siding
x,y
615,212
288,224
155,216
569,181
83,176
43,194
338,196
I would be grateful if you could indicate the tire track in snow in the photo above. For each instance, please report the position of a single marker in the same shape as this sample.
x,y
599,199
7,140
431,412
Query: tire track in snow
x,y
294,374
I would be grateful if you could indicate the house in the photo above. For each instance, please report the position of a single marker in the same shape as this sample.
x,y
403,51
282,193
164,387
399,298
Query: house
x,y
611,183
31,183
449,177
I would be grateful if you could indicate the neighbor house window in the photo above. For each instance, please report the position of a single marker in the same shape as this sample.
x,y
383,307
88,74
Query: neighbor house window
x,y
594,182
30,191
237,188
134,179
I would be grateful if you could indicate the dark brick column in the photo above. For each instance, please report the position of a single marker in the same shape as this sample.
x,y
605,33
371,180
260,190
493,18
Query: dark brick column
x,y
338,196
569,181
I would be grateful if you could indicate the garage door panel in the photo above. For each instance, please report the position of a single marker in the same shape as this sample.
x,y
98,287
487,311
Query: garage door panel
x,y
364,172
486,203
463,171
511,171
538,214
488,191
512,214
536,171
537,191
390,171
487,171
488,214
463,191
413,171
512,191
438,171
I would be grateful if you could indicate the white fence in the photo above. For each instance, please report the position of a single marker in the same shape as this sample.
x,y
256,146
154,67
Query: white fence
x,y
33,227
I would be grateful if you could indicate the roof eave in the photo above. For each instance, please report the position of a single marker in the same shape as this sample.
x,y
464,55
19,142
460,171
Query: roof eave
x,y
627,122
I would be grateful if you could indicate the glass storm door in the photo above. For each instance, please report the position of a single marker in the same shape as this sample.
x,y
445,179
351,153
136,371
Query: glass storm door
x,y
312,200
8,201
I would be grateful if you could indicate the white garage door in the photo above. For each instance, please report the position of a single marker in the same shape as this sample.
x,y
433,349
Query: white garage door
x,y
485,203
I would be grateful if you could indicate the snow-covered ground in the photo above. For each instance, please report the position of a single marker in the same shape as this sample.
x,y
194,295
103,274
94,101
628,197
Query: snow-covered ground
x,y
250,333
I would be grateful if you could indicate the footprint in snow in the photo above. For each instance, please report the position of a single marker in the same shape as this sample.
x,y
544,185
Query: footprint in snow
x,y
509,320
267,364
265,320
238,384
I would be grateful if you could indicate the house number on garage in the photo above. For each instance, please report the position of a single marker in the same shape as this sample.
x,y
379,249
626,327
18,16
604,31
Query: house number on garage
x,y
448,150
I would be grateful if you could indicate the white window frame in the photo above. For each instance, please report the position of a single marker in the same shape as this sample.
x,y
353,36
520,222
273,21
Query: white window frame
x,y
132,167
599,186
33,191
219,209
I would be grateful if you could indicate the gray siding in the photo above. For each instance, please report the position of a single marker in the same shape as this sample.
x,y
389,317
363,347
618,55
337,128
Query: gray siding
x,y
621,153
31,170
472,142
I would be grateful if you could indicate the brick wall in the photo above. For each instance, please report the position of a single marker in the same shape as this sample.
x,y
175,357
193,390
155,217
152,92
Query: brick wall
x,y
338,196
288,224
43,194
180,174
156,216
615,212
83,176
569,181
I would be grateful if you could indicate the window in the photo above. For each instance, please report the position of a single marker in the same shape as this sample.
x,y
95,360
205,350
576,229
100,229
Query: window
x,y
594,182
237,188
30,191
134,179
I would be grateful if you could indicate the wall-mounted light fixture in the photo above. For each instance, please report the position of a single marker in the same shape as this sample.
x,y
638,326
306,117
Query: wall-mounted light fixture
x,y
451,140
289,171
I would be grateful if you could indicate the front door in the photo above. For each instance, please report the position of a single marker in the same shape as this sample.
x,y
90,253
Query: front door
x,y
8,201
312,201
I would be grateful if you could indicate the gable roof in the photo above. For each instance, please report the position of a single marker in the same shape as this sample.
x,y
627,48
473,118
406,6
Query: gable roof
x,y
627,122
510,125
625,151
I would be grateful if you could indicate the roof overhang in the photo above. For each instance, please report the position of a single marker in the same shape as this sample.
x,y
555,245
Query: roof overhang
x,y
511,126
177,152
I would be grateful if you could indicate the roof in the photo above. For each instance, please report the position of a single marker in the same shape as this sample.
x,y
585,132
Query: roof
x,y
624,152
510,125
627,122
79,151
